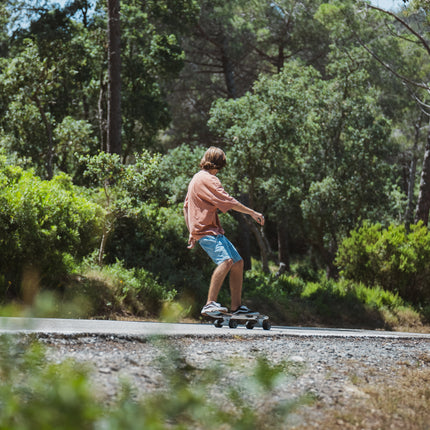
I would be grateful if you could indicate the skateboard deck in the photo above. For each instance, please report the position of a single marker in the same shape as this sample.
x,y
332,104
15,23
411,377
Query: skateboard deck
x,y
248,320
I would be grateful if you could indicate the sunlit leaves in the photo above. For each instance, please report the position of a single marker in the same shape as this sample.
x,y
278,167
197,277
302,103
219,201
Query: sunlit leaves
x,y
42,223
307,149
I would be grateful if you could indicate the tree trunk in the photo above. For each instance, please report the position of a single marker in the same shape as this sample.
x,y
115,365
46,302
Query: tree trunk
x,y
261,241
283,251
48,129
228,70
423,205
243,245
103,245
102,114
114,83
281,58
412,173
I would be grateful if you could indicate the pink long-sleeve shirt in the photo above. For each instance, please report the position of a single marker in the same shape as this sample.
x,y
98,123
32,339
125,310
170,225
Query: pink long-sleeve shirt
x,y
206,195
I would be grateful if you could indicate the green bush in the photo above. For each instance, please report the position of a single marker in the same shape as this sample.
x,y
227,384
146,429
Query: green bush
x,y
44,226
392,258
114,289
269,286
289,299
331,294
36,393
177,168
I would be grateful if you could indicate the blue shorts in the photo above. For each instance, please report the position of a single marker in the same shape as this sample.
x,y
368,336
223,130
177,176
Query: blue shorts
x,y
219,248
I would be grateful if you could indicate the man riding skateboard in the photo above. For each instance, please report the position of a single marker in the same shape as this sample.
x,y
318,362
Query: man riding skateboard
x,y
205,197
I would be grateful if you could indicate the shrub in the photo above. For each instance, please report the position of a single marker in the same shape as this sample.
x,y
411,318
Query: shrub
x,y
35,394
44,226
269,286
392,258
289,299
177,168
114,289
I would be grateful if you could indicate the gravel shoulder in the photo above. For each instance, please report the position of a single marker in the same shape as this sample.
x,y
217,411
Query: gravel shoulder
x,y
336,375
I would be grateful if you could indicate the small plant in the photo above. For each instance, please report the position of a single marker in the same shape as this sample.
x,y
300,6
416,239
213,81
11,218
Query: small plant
x,y
36,393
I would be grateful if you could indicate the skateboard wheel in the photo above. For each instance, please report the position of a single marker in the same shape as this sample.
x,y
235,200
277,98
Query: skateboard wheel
x,y
250,325
232,324
218,323
267,325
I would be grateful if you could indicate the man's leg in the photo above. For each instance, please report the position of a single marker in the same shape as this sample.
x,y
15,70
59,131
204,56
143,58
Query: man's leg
x,y
217,279
236,281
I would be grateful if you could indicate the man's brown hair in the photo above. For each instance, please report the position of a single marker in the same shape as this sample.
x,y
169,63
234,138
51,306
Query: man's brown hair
x,y
214,158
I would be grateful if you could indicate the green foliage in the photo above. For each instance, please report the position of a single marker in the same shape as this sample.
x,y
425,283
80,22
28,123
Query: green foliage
x,y
36,393
235,41
328,290
114,289
270,286
151,55
58,65
27,83
44,225
269,133
125,187
38,126
176,169
392,258
290,299
309,152
72,137
378,298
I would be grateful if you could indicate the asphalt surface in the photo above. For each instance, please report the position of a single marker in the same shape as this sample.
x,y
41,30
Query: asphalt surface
x,y
81,327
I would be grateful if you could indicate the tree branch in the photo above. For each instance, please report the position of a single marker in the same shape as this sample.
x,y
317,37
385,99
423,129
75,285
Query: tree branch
x,y
405,24
389,68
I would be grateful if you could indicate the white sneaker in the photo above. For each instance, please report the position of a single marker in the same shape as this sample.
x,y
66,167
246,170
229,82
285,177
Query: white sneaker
x,y
213,307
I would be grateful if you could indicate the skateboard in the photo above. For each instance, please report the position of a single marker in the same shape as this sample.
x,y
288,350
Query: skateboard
x,y
248,320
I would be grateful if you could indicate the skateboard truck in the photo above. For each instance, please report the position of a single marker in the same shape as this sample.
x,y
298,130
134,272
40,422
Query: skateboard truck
x,y
249,321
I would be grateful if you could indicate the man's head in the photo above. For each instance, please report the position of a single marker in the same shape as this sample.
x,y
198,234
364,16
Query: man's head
x,y
214,158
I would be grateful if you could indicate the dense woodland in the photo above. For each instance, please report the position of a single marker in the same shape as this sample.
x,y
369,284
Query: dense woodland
x,y
322,108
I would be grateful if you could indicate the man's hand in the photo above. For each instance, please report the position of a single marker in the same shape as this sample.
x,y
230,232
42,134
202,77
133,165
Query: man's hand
x,y
258,217
191,242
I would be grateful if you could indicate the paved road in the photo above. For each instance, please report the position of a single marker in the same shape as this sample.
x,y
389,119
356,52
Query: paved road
x,y
81,327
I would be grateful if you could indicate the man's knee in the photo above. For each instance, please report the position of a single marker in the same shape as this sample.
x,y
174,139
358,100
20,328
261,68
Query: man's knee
x,y
227,263
239,263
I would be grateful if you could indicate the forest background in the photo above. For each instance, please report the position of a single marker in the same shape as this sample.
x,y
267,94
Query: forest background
x,y
322,108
